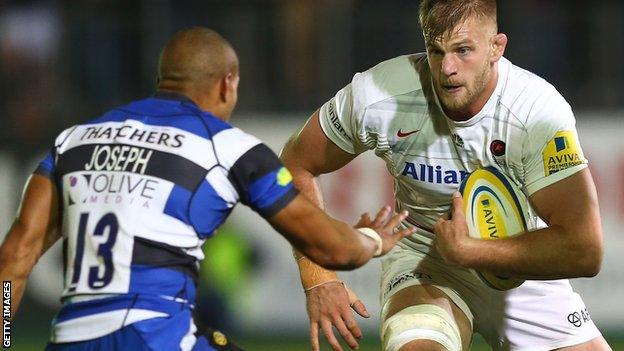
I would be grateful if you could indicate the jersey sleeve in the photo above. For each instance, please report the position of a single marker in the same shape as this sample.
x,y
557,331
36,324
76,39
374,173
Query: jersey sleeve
x,y
47,166
339,121
551,148
262,182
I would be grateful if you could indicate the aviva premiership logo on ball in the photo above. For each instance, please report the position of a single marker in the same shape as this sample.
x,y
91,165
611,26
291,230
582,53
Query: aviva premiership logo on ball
x,y
495,208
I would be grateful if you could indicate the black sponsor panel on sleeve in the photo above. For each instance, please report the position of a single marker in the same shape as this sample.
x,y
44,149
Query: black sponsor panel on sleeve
x,y
252,165
127,158
279,204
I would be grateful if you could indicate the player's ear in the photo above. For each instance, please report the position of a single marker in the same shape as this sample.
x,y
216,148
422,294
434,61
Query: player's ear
x,y
227,87
499,43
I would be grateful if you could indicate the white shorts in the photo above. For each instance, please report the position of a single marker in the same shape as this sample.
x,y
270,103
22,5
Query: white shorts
x,y
538,315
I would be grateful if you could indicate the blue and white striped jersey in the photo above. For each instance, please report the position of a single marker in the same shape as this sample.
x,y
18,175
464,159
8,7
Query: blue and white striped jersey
x,y
142,187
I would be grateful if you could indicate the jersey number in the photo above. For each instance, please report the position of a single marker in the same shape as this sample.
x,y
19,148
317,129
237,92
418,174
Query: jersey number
x,y
105,251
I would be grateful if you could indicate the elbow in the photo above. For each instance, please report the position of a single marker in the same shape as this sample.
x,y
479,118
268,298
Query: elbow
x,y
339,260
590,263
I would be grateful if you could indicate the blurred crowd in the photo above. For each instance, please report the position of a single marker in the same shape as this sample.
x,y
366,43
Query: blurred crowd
x,y
63,62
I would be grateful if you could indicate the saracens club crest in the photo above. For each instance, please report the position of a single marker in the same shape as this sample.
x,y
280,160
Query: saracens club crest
x,y
498,149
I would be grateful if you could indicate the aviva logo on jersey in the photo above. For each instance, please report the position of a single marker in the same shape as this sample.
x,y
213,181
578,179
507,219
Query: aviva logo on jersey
x,y
284,177
561,152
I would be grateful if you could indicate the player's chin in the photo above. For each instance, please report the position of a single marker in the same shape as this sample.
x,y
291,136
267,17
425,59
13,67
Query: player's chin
x,y
455,103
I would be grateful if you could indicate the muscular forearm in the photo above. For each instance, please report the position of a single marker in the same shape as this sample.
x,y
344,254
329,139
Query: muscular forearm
x,y
548,253
310,273
19,253
15,265
34,231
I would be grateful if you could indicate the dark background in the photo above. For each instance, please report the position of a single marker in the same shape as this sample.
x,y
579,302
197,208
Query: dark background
x,y
63,62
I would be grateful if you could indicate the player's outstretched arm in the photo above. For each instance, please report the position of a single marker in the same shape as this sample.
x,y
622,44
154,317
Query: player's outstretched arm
x,y
571,245
34,231
332,243
308,154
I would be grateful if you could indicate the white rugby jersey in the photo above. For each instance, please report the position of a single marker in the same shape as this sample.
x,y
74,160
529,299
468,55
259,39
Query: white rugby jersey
x,y
526,130
141,188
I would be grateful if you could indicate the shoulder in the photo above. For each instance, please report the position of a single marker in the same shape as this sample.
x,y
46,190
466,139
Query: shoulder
x,y
234,137
531,99
393,77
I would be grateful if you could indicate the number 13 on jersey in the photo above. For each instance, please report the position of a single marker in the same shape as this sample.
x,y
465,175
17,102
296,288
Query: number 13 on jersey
x,y
100,275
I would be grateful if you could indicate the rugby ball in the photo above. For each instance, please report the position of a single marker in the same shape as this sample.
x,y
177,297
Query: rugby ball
x,y
495,208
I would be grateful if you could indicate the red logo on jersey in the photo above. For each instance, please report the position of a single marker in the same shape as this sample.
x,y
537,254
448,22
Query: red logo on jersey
x,y
497,147
400,134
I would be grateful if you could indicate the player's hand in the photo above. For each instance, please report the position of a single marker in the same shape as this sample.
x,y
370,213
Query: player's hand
x,y
451,232
328,305
386,227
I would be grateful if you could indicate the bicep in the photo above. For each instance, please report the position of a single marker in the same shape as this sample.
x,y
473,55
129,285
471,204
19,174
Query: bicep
x,y
311,150
37,222
571,204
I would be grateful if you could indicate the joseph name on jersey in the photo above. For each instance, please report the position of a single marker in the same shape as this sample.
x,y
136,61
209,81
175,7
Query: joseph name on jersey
x,y
143,187
526,130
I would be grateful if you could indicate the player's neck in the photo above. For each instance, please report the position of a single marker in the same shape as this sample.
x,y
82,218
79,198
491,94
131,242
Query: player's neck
x,y
476,106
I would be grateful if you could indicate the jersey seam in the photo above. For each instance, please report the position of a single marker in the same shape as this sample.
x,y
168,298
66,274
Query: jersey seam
x,y
218,164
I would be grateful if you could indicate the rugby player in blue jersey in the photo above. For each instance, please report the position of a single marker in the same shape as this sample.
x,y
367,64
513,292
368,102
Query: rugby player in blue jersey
x,y
135,193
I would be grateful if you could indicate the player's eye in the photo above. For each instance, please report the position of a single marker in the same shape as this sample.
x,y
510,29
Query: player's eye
x,y
434,51
464,50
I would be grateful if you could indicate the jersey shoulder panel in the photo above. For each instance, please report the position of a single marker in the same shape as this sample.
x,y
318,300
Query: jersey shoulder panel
x,y
550,146
531,99
389,78
231,144
358,117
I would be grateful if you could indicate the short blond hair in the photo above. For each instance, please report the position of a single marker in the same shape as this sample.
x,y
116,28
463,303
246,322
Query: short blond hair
x,y
438,17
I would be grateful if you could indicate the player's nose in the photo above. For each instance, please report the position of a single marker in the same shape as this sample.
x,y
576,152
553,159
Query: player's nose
x,y
449,65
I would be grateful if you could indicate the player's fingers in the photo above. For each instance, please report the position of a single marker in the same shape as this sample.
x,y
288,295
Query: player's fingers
x,y
446,216
381,216
405,232
329,335
364,221
352,325
458,205
438,223
359,307
314,341
345,333
396,220
352,296
365,217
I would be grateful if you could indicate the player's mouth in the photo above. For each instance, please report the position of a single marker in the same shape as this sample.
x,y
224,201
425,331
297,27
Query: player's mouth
x,y
451,89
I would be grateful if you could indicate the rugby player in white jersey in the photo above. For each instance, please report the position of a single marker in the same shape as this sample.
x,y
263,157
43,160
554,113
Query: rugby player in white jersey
x,y
433,118
186,167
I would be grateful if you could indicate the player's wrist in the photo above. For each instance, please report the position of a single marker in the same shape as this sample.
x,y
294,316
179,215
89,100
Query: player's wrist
x,y
333,281
312,274
372,234
467,251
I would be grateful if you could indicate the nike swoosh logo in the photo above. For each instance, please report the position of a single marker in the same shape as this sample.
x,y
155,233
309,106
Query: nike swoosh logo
x,y
400,134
